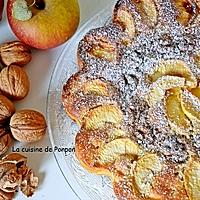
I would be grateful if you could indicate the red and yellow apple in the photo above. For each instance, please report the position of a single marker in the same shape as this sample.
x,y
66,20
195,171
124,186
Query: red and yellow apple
x,y
43,24
1,8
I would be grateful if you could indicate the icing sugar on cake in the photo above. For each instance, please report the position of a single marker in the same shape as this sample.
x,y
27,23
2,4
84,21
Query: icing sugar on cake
x,y
167,40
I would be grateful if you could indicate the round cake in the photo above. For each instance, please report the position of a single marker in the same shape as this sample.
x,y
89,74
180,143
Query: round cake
x,y
136,99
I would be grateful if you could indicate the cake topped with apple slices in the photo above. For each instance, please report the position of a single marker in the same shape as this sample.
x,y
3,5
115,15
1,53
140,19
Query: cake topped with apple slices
x,y
145,131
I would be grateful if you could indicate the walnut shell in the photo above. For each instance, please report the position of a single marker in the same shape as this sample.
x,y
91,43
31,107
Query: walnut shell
x,y
9,179
6,195
28,126
14,82
7,109
5,140
29,183
15,174
15,52
14,158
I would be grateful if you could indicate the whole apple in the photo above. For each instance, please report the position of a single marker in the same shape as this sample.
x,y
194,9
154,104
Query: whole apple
x,y
1,8
43,24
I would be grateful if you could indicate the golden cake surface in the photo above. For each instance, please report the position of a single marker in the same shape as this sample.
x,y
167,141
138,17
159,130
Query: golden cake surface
x,y
137,100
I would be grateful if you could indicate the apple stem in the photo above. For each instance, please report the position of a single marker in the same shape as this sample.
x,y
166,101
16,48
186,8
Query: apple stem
x,y
39,4
34,2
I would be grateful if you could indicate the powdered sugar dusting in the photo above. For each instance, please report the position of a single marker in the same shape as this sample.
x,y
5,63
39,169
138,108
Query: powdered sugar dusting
x,y
167,40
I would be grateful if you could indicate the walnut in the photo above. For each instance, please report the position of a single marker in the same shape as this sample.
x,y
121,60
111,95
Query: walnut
x,y
28,126
29,183
6,195
14,174
14,82
7,109
15,158
9,179
5,140
15,52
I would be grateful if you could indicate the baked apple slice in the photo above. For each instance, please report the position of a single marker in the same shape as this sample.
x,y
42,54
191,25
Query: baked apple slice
x,y
88,146
174,68
145,171
80,94
148,11
122,146
159,88
192,179
174,110
100,45
165,185
100,116
187,10
123,17
190,104
191,107
102,48
196,92
96,87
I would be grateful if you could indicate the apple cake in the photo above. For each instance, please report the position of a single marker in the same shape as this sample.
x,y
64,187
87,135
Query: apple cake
x,y
136,98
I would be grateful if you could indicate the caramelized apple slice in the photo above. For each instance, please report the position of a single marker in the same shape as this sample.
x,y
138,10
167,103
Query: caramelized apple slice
x,y
79,84
117,133
79,91
124,18
174,110
187,10
96,87
123,146
191,107
102,48
166,185
89,142
192,180
145,171
196,92
174,68
98,117
148,11
158,88
190,104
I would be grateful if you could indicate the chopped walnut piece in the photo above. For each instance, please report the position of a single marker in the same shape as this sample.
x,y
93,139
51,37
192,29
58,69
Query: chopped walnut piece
x,y
29,183
14,174
5,140
9,178
6,195
10,181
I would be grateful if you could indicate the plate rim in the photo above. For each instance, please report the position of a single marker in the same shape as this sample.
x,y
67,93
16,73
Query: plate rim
x,y
59,59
